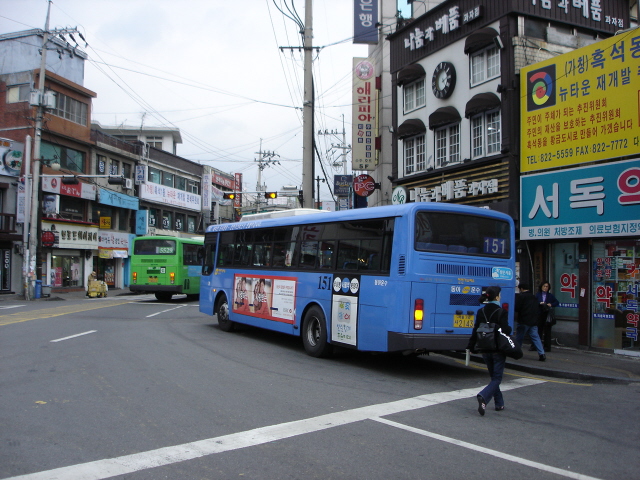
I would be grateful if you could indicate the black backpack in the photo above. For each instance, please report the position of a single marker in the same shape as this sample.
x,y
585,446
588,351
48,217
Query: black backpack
x,y
486,334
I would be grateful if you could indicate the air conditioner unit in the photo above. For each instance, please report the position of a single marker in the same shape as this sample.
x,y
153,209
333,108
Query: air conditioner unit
x,y
128,183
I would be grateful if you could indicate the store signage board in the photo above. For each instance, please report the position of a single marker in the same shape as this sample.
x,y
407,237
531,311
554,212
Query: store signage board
x,y
583,202
582,106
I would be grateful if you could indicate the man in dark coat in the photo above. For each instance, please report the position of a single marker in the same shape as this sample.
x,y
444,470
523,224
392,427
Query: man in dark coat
x,y
528,309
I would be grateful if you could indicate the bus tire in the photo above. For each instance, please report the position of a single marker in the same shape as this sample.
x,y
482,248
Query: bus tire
x,y
163,296
222,314
314,333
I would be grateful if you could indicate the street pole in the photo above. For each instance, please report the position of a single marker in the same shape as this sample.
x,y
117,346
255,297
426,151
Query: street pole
x,y
28,189
35,184
307,121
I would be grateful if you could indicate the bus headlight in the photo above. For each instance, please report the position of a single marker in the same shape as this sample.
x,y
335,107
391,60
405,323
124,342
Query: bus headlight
x,y
172,278
418,314
135,277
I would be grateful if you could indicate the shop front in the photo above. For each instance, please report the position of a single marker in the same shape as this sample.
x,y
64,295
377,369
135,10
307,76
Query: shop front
x,y
582,226
67,255
111,265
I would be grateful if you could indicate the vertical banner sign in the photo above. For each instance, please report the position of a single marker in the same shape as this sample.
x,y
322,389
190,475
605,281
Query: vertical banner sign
x,y
344,310
206,191
582,106
363,115
365,17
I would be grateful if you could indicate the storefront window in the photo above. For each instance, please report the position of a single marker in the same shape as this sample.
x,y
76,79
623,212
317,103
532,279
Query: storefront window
x,y
191,224
166,220
564,279
66,271
153,219
616,281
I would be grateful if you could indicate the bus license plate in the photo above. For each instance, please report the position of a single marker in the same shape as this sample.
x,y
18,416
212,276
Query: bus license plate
x,y
153,279
463,321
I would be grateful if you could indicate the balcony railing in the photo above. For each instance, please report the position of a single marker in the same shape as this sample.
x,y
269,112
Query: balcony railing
x,y
7,223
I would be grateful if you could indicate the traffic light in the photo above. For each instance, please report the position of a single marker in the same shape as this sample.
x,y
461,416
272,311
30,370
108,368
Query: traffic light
x,y
229,196
115,180
270,194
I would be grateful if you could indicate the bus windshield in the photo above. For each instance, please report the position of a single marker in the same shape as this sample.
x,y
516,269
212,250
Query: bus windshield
x,y
462,234
154,247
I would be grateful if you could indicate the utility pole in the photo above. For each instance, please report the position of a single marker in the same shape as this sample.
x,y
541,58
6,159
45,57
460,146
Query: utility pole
x,y
34,267
318,180
343,146
265,159
307,121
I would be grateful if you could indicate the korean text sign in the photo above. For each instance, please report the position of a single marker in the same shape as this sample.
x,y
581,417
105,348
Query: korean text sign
x,y
582,106
595,201
363,115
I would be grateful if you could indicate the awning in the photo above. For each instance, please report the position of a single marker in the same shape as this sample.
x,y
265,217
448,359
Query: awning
x,y
411,127
443,116
479,39
410,73
481,103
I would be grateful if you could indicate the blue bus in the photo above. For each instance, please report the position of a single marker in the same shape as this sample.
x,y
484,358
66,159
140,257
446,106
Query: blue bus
x,y
403,278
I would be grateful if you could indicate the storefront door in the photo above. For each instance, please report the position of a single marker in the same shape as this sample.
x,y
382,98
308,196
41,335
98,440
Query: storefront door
x,y
616,281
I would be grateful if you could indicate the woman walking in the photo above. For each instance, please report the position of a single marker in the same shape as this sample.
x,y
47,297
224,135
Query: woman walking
x,y
547,302
492,312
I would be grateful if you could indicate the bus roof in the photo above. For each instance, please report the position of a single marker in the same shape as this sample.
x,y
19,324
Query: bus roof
x,y
361,214
281,213
170,237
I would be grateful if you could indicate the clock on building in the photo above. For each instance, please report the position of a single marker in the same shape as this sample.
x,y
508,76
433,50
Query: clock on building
x,y
444,80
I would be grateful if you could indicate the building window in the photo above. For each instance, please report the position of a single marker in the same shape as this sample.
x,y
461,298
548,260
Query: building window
x,y
155,175
68,158
70,109
155,142
193,186
414,96
414,158
180,225
101,164
167,220
447,144
485,134
126,170
485,65
115,167
167,179
127,138
191,224
181,183
18,93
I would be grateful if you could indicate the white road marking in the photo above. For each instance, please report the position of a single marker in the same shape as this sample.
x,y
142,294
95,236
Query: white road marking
x,y
488,451
73,336
7,307
101,469
164,311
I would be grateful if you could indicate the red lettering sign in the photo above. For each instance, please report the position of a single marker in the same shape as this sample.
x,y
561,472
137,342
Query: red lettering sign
x,y
364,185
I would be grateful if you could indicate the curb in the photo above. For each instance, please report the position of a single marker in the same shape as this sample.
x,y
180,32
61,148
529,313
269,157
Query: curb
x,y
548,372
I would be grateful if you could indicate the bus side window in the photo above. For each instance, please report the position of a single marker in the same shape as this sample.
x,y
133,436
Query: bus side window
x,y
348,254
207,263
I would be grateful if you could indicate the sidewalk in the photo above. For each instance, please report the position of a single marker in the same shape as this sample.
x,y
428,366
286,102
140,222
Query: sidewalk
x,y
562,362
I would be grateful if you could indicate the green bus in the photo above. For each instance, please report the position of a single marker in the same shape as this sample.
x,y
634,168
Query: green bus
x,y
166,266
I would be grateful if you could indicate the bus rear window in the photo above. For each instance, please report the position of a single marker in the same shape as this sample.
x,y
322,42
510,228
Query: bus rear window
x,y
154,247
462,234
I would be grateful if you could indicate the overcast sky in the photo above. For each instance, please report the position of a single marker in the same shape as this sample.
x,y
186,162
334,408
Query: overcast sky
x,y
215,70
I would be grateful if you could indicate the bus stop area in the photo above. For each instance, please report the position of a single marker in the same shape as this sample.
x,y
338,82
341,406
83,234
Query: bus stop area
x,y
562,362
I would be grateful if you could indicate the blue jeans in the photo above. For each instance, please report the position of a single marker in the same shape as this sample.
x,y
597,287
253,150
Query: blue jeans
x,y
522,330
495,364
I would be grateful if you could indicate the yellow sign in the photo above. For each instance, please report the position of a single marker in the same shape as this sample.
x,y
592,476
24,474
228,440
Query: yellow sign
x,y
105,222
582,106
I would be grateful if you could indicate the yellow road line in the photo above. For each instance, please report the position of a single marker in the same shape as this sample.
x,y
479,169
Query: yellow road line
x,y
53,312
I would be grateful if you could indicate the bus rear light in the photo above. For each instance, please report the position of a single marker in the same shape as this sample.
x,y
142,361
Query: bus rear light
x,y
135,277
418,314
172,278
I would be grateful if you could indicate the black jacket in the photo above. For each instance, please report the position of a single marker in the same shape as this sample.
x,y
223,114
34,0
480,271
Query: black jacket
x,y
527,308
501,318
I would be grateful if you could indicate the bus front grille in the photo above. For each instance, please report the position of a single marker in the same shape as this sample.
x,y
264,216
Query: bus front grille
x,y
153,260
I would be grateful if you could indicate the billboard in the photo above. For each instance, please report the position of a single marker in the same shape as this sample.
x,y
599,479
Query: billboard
x,y
363,153
583,202
582,106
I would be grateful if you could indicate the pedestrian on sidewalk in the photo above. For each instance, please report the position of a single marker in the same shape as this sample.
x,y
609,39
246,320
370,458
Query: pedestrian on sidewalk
x,y
547,302
528,312
492,312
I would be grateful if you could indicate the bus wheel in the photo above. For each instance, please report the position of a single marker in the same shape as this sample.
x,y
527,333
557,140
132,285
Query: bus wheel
x,y
163,296
314,334
222,312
